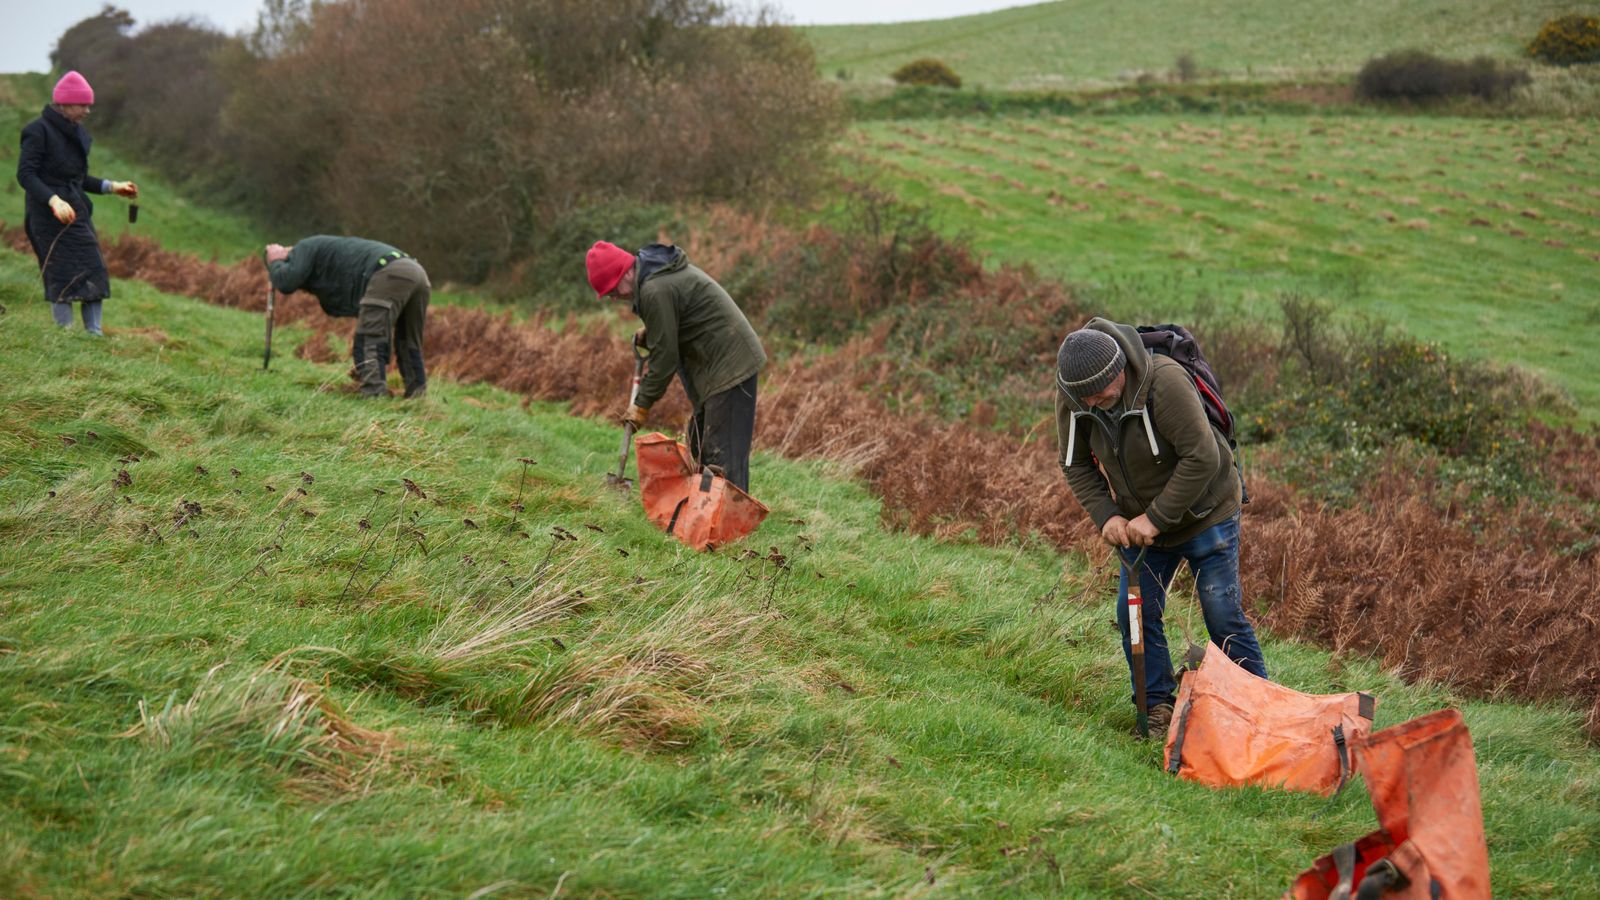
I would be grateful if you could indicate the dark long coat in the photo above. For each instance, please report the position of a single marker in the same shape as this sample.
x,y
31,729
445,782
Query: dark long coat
x,y
55,161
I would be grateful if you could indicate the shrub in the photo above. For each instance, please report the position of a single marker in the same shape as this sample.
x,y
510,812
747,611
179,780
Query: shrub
x,y
1417,76
1567,41
1185,69
930,72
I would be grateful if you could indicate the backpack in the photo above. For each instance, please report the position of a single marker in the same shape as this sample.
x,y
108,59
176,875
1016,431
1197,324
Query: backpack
x,y
1176,342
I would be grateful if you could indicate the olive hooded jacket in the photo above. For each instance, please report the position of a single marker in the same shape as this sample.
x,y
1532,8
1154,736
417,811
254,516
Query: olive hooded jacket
x,y
1153,453
691,327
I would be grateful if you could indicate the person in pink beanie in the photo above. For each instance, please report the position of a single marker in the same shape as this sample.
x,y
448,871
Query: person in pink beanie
x,y
53,169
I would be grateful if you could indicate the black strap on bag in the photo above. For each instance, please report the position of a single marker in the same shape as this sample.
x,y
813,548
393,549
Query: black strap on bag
x,y
1382,876
1343,749
1180,727
1344,863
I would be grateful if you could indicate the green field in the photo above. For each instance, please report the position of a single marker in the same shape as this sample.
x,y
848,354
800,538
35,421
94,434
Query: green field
x,y
241,669
1088,43
1481,234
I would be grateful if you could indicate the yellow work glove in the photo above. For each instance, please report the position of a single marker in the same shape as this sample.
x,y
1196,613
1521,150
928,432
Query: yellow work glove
x,y
125,189
635,416
63,210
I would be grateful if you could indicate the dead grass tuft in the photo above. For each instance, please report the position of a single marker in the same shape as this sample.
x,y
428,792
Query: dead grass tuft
x,y
286,722
651,689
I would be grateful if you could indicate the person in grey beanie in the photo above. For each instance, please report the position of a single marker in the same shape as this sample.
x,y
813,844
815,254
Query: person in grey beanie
x,y
1153,473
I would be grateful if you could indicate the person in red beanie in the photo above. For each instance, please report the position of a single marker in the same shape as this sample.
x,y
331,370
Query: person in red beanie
x,y
694,329
53,169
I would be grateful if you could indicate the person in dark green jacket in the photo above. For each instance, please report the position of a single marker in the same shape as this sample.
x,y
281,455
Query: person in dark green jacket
x,y
385,289
1147,465
692,328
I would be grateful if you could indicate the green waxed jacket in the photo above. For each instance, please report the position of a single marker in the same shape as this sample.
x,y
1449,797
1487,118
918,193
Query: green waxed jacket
x,y
1188,484
691,326
334,269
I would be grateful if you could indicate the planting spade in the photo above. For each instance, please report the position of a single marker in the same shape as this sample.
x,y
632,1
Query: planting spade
x,y
272,296
1136,646
619,479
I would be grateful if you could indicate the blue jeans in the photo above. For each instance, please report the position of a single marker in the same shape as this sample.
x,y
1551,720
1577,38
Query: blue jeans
x,y
1213,556
62,313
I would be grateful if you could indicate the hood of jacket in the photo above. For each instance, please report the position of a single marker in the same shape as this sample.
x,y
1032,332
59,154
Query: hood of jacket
x,y
1136,391
654,259
76,132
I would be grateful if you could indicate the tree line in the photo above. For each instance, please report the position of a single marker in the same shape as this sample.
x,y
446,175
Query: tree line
x,y
459,130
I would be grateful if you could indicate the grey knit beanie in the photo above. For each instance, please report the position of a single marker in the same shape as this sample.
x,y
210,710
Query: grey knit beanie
x,y
1087,362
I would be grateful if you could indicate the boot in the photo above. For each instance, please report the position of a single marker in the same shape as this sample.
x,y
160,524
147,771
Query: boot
x,y
1160,718
412,371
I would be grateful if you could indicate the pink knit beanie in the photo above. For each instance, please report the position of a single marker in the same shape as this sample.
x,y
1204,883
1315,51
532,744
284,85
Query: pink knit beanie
x,y
72,90
607,263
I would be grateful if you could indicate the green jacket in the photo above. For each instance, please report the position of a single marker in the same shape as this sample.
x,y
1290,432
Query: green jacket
x,y
1188,484
691,326
335,269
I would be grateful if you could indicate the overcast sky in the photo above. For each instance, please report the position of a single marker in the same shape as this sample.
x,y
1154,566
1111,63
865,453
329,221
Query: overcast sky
x,y
32,27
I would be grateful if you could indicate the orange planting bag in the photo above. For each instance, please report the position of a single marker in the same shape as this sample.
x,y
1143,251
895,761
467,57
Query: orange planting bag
x,y
1423,779
1230,727
703,510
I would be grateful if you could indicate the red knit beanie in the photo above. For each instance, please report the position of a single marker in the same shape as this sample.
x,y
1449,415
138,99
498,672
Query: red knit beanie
x,y
607,263
72,90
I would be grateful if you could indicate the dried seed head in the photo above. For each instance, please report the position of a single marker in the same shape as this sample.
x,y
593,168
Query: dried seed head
x,y
234,472
201,470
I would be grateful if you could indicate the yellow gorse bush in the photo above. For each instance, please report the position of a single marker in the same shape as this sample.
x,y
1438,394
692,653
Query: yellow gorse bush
x,y
1569,40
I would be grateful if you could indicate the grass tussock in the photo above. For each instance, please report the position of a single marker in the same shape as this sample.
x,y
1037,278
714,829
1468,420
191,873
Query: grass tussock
x,y
287,723
654,687
479,625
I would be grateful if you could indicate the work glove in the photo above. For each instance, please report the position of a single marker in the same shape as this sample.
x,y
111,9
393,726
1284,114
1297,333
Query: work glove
x,y
63,210
275,252
125,189
635,416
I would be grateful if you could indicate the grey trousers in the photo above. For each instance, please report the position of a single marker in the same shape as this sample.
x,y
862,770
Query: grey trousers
x,y
394,310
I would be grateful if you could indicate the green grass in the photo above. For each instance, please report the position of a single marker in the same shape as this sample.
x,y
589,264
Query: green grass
x,y
1087,43
887,711
1480,234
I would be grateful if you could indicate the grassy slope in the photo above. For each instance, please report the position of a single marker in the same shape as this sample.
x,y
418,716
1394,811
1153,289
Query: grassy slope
x,y
1087,42
889,710
1478,233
